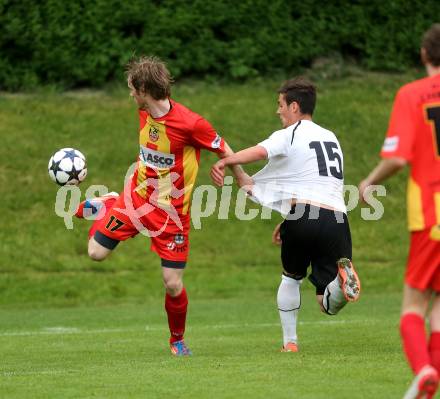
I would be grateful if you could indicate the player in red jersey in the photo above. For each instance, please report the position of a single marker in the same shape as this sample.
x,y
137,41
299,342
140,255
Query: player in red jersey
x,y
413,138
156,200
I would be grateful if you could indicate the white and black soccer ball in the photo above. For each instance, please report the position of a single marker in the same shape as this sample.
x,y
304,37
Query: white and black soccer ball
x,y
67,166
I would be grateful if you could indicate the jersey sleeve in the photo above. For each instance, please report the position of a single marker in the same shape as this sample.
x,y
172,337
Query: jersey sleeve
x,y
276,144
143,115
401,130
205,137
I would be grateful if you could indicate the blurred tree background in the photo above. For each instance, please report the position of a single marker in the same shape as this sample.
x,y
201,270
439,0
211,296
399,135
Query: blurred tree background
x,y
82,43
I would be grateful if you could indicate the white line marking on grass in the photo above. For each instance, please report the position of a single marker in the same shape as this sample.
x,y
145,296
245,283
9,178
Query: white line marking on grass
x,y
39,372
61,330
65,331
157,327
264,325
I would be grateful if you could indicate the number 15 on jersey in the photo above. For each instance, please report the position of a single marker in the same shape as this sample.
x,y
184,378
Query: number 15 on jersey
x,y
333,154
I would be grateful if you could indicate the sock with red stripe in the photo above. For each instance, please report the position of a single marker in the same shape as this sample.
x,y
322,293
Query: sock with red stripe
x,y
176,308
434,349
412,331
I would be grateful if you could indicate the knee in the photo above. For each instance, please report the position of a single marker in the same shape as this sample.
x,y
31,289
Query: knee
x,y
96,253
173,286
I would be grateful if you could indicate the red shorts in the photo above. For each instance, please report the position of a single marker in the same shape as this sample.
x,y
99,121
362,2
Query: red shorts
x,y
168,230
423,268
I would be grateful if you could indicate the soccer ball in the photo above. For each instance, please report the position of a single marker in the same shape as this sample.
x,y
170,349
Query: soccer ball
x,y
67,166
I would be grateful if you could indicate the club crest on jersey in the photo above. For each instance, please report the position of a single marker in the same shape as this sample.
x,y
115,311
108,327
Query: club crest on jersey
x,y
178,245
390,144
216,142
154,134
156,159
179,239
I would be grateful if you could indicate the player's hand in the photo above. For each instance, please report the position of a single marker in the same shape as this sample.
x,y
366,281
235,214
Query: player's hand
x,y
363,186
276,238
218,173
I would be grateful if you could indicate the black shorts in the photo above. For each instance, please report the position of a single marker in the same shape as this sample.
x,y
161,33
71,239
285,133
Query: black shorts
x,y
316,236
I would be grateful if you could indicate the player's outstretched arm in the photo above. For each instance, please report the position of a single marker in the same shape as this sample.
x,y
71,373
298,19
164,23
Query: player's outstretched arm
x,y
248,155
241,177
386,168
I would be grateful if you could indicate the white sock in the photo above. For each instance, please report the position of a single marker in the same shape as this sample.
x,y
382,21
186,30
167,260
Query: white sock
x,y
289,301
333,300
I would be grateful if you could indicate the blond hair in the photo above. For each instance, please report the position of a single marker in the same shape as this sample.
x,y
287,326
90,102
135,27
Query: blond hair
x,y
150,75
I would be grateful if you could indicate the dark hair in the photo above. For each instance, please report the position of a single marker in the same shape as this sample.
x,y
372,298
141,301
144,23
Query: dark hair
x,y
431,44
302,91
150,75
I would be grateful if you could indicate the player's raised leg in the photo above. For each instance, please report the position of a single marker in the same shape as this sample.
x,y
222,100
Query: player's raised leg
x,y
346,287
112,223
96,209
176,305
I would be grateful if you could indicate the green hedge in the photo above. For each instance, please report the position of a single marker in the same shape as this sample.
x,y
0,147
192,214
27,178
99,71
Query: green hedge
x,y
86,43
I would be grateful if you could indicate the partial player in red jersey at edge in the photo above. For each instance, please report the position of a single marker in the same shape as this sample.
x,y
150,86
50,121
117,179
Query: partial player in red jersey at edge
x,y
413,138
156,199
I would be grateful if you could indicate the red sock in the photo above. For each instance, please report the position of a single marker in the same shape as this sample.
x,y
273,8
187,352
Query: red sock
x,y
96,223
412,330
434,349
176,310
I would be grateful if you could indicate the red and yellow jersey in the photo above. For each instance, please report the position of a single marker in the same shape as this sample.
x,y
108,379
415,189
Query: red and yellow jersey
x,y
169,154
414,134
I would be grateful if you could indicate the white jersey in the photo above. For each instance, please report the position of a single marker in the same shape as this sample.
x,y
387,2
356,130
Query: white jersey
x,y
305,163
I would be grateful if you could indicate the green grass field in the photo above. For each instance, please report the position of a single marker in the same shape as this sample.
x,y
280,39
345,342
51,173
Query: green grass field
x,y
120,351
71,328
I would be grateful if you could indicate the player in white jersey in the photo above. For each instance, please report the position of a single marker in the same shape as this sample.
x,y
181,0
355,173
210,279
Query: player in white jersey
x,y
304,181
